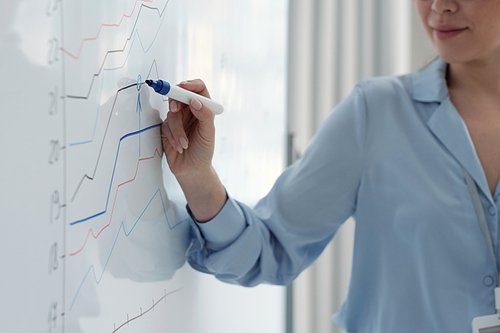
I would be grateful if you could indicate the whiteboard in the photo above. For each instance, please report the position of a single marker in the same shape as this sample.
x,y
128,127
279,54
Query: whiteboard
x,y
94,229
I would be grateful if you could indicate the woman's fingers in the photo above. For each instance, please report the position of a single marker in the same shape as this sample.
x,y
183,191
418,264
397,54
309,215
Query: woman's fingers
x,y
196,86
191,124
173,130
173,105
205,118
167,138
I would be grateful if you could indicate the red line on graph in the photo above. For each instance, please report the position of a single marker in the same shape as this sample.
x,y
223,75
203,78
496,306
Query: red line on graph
x,y
99,31
91,232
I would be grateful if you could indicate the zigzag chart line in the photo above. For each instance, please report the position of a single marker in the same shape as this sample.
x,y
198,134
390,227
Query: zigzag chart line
x,y
99,31
122,227
87,176
112,139
143,313
91,231
132,35
114,169
164,99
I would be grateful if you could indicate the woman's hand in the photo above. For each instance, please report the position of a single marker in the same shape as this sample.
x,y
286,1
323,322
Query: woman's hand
x,y
188,139
188,133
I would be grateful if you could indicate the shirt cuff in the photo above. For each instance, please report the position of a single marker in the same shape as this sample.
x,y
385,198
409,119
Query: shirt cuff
x,y
224,228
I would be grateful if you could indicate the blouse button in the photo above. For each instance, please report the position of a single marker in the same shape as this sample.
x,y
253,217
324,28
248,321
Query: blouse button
x,y
488,281
492,210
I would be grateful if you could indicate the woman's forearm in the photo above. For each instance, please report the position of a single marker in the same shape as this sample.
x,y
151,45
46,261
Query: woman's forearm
x,y
205,194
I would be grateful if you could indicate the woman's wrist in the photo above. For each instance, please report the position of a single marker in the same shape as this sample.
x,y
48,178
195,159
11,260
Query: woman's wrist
x,y
205,194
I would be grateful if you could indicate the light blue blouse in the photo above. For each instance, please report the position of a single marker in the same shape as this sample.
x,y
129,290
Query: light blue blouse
x,y
390,155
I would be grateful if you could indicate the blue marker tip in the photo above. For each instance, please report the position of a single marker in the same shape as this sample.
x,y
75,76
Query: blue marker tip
x,y
160,86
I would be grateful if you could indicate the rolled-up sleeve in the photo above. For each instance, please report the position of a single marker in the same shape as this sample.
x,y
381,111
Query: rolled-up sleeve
x,y
289,228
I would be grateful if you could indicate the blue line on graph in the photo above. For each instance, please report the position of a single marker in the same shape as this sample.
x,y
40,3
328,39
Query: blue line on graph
x,y
139,82
114,169
122,226
140,42
138,109
96,119
120,67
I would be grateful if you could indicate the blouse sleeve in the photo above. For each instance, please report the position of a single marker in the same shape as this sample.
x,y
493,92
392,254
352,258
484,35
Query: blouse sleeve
x,y
289,228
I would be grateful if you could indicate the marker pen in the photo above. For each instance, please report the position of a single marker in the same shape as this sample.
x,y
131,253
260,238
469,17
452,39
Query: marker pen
x,y
182,95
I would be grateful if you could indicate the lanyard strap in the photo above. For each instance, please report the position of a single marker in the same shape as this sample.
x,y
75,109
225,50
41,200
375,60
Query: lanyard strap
x,y
484,229
480,216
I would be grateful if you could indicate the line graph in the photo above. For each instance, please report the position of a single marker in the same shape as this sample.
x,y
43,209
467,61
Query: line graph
x,y
129,320
114,170
119,184
99,31
78,143
91,177
153,65
91,232
131,37
105,228
127,234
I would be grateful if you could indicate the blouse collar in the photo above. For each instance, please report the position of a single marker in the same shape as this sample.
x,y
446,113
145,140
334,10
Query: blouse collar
x,y
429,84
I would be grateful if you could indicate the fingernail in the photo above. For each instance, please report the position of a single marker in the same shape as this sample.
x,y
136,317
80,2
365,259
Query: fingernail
x,y
183,143
173,106
196,104
180,150
183,82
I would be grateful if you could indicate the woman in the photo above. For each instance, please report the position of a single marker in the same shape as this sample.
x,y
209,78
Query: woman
x,y
396,155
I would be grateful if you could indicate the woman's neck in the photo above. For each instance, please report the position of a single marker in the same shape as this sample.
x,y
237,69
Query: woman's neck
x,y
479,77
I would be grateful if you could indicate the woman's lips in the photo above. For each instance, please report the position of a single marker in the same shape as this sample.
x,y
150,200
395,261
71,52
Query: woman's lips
x,y
447,31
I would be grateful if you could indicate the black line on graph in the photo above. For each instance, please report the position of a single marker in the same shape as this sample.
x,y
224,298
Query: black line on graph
x,y
143,313
157,76
86,176
160,14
